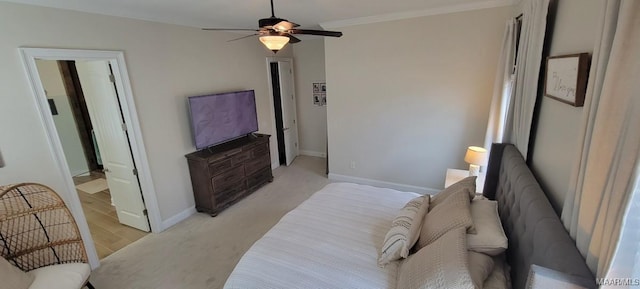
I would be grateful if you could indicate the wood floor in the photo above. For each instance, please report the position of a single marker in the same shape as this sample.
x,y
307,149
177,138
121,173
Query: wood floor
x,y
108,234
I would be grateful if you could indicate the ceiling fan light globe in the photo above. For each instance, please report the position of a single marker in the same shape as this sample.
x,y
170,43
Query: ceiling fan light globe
x,y
274,42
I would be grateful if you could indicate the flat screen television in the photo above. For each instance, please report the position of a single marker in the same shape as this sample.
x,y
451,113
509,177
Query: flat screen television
x,y
221,117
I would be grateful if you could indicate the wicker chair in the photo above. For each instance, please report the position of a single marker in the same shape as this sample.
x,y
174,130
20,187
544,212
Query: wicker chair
x,y
38,233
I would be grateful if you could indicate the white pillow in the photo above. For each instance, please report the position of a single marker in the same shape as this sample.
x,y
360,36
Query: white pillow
x,y
452,213
490,238
442,264
480,266
405,230
12,277
542,278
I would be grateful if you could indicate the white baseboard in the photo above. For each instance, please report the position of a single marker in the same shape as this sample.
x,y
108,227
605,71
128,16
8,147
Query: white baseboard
x,y
274,165
177,218
80,173
313,153
382,184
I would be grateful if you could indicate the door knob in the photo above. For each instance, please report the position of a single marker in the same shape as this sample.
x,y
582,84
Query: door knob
x,y
285,129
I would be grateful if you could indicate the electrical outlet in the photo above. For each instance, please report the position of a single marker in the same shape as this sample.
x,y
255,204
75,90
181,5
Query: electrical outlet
x,y
352,165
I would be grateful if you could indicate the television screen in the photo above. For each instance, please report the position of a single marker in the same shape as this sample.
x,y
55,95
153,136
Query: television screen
x,y
221,117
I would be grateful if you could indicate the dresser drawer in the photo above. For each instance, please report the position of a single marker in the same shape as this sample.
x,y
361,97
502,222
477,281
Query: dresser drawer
x,y
219,167
260,150
257,164
230,193
240,158
258,178
227,178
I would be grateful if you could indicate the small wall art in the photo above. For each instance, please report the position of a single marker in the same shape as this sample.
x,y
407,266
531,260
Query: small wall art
x,y
319,93
566,78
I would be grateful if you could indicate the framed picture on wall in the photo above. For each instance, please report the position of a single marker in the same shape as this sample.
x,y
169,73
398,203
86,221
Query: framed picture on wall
x,y
319,93
566,78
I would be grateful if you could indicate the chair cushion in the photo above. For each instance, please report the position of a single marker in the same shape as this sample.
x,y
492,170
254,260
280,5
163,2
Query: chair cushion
x,y
12,277
62,276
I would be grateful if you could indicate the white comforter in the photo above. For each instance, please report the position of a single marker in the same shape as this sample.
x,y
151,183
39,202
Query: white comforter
x,y
329,241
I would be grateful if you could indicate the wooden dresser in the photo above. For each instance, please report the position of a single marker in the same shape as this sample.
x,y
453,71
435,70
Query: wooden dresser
x,y
224,174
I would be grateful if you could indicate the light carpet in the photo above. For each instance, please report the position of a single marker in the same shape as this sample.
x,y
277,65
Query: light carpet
x,y
201,251
92,187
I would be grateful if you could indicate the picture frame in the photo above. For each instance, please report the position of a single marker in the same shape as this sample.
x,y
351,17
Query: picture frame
x,y
319,93
566,78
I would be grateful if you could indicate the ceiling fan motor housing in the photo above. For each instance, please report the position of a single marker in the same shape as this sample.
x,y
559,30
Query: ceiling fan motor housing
x,y
269,22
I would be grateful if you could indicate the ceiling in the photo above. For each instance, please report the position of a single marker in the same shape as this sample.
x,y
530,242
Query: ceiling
x,y
244,13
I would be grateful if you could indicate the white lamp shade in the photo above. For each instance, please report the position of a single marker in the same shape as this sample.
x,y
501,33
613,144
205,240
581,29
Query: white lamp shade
x,y
476,156
274,42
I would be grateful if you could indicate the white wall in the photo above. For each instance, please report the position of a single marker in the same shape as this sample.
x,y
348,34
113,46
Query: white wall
x,y
312,119
166,63
405,98
64,121
554,151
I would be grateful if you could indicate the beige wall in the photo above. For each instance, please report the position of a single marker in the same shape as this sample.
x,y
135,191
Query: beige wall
x,y
405,98
166,63
64,120
557,135
312,119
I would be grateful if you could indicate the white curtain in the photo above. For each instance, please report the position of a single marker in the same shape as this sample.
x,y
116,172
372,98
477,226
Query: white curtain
x,y
503,86
604,174
626,259
521,105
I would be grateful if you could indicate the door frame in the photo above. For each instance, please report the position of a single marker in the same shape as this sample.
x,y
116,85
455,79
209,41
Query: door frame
x,y
127,104
269,60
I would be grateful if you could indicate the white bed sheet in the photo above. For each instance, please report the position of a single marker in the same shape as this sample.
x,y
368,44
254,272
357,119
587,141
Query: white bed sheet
x,y
329,241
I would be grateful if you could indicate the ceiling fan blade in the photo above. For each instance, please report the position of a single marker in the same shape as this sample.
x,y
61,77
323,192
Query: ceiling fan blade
x,y
316,32
243,37
293,39
229,29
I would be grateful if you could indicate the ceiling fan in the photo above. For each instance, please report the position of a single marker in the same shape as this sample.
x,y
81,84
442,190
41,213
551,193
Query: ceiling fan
x,y
276,32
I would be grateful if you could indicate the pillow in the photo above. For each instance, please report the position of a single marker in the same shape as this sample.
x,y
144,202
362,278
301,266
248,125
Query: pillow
x,y
452,213
404,232
12,277
467,184
541,277
480,266
442,264
489,238
499,277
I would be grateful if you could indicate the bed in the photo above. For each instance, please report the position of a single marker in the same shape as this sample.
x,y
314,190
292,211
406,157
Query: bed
x,y
332,240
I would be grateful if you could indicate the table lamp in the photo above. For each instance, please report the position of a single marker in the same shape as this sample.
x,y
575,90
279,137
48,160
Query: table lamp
x,y
476,157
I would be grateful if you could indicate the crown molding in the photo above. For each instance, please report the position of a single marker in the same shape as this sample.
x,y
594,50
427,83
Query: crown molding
x,y
419,13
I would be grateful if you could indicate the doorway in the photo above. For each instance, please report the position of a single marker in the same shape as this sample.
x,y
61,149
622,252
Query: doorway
x,y
281,88
82,132
84,107
104,79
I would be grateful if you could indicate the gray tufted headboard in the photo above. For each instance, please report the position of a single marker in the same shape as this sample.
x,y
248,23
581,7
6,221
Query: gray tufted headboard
x,y
536,234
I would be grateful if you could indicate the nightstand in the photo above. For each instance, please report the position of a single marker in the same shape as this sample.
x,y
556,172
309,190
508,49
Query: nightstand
x,y
454,175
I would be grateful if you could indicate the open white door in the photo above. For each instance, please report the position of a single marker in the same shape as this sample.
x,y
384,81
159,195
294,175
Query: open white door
x,y
104,110
289,117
